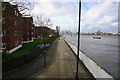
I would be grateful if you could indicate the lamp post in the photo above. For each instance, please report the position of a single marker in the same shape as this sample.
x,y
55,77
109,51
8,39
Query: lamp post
x,y
77,76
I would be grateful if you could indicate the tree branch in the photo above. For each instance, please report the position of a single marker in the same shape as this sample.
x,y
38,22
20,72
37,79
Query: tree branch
x,y
43,21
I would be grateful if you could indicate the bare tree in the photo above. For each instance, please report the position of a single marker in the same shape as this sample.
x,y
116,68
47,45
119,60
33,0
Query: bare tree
x,y
43,21
25,7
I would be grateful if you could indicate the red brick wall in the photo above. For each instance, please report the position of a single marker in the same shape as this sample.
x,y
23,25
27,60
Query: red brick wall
x,y
42,31
12,30
27,28
33,31
30,28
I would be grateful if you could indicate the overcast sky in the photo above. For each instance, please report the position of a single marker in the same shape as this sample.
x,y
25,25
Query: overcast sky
x,y
96,14
100,15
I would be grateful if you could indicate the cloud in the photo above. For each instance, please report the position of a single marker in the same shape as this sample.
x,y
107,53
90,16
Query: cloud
x,y
74,0
62,14
102,16
95,15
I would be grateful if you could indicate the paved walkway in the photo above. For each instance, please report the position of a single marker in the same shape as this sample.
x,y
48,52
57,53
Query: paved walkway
x,y
63,64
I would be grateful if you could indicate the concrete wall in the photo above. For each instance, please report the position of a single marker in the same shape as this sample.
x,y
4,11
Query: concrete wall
x,y
14,49
92,66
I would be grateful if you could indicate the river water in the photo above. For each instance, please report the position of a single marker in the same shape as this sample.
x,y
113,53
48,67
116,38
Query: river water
x,y
103,51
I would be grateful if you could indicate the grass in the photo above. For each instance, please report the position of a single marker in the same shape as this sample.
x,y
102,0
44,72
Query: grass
x,y
27,52
27,48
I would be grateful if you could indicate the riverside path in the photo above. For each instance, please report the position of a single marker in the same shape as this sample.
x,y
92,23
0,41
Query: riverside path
x,y
63,65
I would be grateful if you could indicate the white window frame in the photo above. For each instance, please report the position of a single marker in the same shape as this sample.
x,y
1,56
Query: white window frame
x,y
15,24
2,44
2,20
16,13
15,33
2,33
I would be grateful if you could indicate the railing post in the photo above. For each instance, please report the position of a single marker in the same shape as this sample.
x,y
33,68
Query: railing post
x,y
44,50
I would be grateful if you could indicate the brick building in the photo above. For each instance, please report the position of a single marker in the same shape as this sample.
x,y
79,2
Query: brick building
x,y
28,29
40,31
11,34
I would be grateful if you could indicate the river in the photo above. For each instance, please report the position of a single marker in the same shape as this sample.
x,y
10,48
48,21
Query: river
x,y
103,51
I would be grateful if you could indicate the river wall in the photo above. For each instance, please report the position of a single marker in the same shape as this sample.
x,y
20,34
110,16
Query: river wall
x,y
96,70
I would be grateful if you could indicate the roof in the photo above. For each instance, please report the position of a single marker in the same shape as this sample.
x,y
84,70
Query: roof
x,y
37,28
4,4
43,27
28,18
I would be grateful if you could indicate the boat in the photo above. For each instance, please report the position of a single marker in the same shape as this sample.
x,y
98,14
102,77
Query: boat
x,y
96,37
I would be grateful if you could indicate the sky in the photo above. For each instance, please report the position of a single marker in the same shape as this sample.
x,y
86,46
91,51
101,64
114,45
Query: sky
x,y
99,16
95,14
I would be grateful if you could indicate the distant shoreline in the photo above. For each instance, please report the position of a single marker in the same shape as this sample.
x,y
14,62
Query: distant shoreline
x,y
100,35
97,35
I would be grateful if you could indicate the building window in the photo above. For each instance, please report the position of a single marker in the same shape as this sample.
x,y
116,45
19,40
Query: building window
x,y
16,43
15,33
32,28
15,24
2,45
2,20
16,13
2,33
32,32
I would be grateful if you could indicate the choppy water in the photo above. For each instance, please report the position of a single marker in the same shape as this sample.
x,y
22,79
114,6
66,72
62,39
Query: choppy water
x,y
104,51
